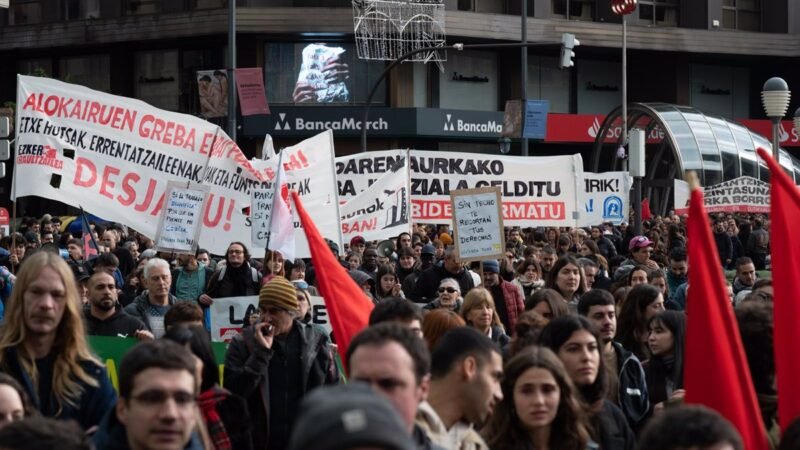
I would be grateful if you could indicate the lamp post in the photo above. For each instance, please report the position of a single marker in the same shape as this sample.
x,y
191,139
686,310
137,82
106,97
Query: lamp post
x,y
775,96
624,8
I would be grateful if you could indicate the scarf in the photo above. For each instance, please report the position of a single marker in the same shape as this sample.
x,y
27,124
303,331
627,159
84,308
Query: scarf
x,y
208,402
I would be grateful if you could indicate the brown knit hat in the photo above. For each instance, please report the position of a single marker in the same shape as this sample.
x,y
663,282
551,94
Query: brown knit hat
x,y
279,292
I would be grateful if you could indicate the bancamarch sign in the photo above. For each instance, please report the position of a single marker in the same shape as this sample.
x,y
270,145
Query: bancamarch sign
x,y
303,121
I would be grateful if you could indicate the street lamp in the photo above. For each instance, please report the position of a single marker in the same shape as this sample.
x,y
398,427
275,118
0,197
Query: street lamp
x,y
797,120
775,96
624,8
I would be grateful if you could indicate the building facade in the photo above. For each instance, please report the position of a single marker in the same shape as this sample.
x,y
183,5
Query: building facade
x,y
712,55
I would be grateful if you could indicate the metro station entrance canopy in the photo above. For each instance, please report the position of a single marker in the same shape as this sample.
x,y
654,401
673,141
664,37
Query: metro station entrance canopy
x,y
682,139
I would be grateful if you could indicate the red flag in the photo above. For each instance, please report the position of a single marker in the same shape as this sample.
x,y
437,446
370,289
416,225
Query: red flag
x,y
784,212
348,306
646,214
715,369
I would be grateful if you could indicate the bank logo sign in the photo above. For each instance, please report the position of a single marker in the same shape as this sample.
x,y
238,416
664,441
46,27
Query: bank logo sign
x,y
282,122
478,126
448,123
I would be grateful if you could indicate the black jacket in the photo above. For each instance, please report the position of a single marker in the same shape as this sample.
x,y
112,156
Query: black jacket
x,y
633,396
612,428
428,282
228,287
247,372
112,435
118,324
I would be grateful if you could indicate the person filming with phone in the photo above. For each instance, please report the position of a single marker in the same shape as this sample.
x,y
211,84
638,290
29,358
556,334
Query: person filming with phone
x,y
275,362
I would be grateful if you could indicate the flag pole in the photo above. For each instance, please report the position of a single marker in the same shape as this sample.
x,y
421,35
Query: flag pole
x,y
13,234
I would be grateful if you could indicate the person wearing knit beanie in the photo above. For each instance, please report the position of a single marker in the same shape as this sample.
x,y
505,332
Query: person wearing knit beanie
x,y
278,354
279,307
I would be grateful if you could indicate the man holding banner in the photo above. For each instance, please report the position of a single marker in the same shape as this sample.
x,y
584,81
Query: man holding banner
x,y
275,362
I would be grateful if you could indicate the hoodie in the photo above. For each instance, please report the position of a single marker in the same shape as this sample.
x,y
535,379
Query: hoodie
x,y
120,324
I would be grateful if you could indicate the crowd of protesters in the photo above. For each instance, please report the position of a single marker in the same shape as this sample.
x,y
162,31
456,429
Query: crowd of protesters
x,y
573,340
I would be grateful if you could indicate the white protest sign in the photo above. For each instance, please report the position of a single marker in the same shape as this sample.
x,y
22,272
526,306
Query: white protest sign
x,y
115,155
260,211
607,197
478,223
181,217
382,211
228,314
536,191
743,194
310,170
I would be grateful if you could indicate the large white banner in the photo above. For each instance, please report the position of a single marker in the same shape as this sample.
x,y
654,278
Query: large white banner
x,y
537,191
382,211
607,197
228,314
743,194
114,157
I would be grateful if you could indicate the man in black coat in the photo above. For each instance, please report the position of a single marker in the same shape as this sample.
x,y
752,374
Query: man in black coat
x,y
428,282
275,362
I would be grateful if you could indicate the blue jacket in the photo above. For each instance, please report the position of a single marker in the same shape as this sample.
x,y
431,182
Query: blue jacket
x,y
92,405
111,435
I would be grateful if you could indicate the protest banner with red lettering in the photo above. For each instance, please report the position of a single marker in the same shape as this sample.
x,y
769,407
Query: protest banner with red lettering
x,y
382,211
115,155
743,194
537,191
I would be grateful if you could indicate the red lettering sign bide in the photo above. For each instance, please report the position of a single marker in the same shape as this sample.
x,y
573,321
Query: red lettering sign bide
x,y
441,209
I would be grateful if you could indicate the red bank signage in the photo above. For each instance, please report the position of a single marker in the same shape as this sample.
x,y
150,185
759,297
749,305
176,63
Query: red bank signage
x,y
788,135
583,128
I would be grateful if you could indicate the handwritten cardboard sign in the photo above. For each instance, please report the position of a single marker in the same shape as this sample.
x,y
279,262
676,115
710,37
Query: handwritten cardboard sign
x,y
478,223
181,218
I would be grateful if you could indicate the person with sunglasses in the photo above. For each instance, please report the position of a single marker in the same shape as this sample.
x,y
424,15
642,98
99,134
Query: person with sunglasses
x,y
449,296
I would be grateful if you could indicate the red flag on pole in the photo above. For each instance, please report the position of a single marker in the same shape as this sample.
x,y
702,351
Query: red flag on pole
x,y
348,306
646,214
784,212
715,369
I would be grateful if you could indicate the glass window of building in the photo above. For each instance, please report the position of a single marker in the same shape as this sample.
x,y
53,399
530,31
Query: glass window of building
x,y
741,15
319,73
157,79
574,9
141,7
659,12
599,86
192,61
25,12
720,90
40,67
92,71
470,81
547,82
82,9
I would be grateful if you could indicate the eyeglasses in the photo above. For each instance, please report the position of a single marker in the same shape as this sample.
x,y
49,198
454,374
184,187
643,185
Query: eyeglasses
x,y
448,290
236,252
154,398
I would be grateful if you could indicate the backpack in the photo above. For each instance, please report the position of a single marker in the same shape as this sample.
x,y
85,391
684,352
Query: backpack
x,y
253,274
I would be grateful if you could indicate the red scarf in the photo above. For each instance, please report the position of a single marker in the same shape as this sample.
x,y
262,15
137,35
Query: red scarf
x,y
208,402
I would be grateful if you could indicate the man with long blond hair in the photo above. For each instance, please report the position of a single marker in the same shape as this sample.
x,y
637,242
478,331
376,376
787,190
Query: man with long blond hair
x,y
43,344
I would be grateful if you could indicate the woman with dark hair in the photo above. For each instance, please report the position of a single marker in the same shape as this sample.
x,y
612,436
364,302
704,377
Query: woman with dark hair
x,y
387,284
577,344
14,401
540,407
664,370
675,237
588,248
642,303
404,239
566,277
564,244
637,275
528,276
548,303
225,414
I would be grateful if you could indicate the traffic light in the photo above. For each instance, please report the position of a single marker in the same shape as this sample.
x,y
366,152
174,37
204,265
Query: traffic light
x,y
5,147
568,42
